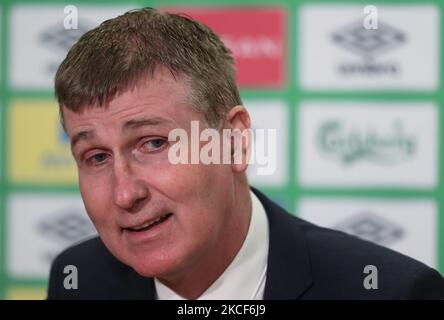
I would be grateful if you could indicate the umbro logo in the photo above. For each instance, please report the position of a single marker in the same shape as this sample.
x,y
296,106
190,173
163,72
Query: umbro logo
x,y
369,43
372,227
66,227
57,38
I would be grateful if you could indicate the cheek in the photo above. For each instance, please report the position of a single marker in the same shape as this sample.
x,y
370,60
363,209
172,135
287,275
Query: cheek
x,y
97,198
192,182
201,195
195,190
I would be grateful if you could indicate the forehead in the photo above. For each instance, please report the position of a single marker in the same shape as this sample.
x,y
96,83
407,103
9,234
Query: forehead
x,y
160,96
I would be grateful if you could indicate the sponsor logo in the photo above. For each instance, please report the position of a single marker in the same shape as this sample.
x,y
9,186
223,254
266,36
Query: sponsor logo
x,y
386,50
67,226
59,39
350,145
372,227
368,144
47,32
40,226
39,149
52,159
369,43
256,37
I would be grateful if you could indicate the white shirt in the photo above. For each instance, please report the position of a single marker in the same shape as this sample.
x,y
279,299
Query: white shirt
x,y
245,277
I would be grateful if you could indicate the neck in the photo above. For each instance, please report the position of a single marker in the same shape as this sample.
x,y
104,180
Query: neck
x,y
210,267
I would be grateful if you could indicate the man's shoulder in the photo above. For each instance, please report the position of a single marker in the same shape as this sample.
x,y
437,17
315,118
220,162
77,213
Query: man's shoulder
x,y
96,271
341,263
85,250
328,264
338,247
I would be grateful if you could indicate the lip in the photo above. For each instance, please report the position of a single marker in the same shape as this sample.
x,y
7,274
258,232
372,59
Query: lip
x,y
151,233
145,222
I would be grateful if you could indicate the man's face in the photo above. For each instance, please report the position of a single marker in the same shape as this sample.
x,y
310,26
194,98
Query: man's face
x,y
157,217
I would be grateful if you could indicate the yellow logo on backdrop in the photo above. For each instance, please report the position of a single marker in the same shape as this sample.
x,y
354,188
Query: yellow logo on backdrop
x,y
26,293
39,150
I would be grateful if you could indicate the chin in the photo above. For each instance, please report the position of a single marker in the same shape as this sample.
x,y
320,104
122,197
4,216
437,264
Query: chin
x,y
152,268
148,262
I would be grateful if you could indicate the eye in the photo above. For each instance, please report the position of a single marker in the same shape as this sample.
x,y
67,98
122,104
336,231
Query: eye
x,y
152,145
97,159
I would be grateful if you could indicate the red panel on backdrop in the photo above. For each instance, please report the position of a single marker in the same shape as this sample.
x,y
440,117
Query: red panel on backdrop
x,y
256,36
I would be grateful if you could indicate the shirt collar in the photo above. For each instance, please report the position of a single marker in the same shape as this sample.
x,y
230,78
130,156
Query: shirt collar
x,y
244,279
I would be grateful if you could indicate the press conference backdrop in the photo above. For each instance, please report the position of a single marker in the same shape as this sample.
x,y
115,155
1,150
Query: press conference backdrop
x,y
358,115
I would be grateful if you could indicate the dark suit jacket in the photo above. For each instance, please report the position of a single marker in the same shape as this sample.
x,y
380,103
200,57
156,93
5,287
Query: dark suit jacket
x,y
304,262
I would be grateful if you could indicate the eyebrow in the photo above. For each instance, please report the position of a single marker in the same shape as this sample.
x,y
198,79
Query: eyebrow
x,y
137,123
130,124
82,135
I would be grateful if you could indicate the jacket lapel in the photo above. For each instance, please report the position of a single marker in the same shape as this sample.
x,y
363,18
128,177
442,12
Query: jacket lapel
x,y
288,270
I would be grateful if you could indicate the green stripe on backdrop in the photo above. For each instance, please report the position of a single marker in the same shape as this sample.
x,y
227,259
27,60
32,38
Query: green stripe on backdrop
x,y
440,189
3,66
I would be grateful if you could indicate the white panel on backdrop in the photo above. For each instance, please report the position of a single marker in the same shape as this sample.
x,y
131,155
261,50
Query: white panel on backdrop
x,y
270,115
39,40
39,227
404,225
337,52
368,144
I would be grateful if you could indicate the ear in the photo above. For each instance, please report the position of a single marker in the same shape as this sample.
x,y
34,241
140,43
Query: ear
x,y
238,121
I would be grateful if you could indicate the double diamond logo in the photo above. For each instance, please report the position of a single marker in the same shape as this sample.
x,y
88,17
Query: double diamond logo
x,y
372,227
62,39
368,42
66,228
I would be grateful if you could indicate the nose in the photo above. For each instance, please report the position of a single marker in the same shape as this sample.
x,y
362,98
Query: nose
x,y
130,191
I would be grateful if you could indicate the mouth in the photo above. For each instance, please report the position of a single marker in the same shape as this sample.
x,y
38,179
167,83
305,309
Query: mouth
x,y
150,224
